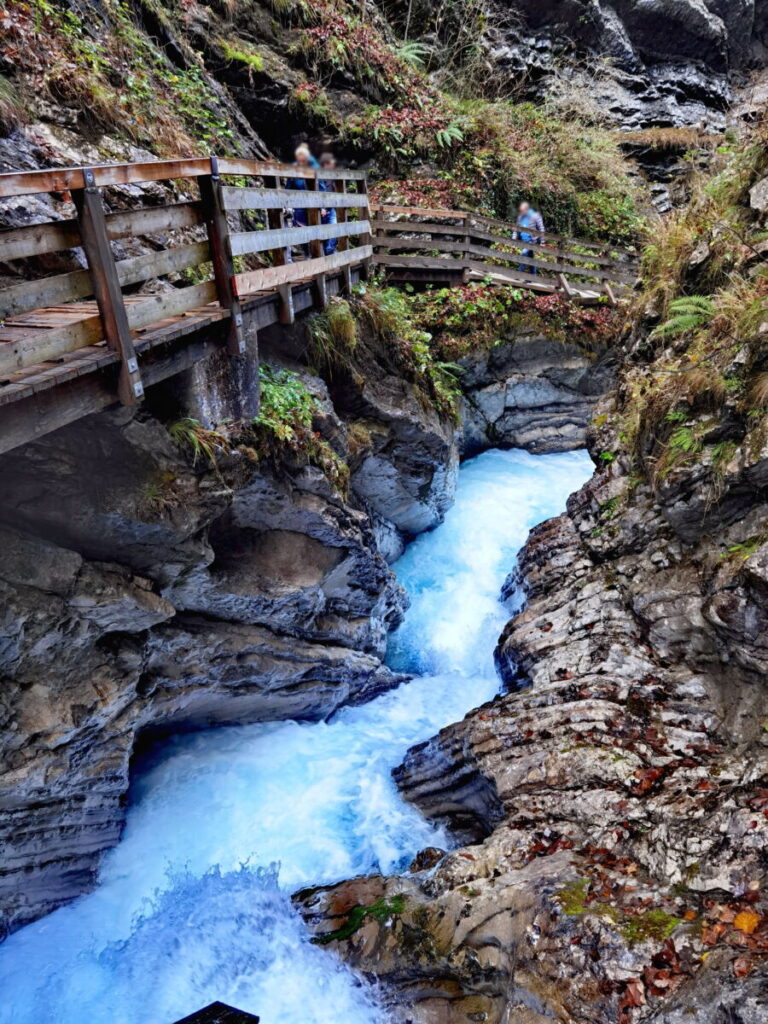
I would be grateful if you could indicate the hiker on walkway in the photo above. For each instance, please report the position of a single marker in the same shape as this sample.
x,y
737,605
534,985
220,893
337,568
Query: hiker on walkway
x,y
328,163
530,228
302,159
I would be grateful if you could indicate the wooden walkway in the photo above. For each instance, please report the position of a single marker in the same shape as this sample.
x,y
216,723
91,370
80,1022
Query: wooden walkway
x,y
454,246
75,341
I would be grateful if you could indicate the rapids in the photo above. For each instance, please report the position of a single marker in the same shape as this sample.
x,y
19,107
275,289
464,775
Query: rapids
x,y
194,903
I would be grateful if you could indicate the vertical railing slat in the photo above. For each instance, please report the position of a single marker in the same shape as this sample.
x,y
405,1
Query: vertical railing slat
x,y
276,219
221,255
106,286
316,245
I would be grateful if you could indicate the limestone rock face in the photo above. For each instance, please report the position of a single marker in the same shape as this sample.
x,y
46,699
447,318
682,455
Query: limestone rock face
x,y
532,393
613,801
142,593
672,62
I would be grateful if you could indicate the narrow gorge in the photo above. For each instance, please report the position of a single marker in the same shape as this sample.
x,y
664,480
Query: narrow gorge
x,y
408,665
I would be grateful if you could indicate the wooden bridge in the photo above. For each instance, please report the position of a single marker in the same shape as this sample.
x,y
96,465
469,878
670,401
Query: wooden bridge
x,y
101,298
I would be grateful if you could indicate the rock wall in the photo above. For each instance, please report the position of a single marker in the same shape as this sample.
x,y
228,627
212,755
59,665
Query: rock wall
x,y
531,392
141,592
669,62
614,802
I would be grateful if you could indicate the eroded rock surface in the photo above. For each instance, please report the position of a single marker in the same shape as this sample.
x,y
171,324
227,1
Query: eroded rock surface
x,y
641,63
143,593
533,393
614,804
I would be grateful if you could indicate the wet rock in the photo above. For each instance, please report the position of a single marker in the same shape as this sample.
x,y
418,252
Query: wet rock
x,y
141,593
612,802
531,393
671,62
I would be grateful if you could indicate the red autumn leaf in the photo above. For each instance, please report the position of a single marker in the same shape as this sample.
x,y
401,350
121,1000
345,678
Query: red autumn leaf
x,y
742,966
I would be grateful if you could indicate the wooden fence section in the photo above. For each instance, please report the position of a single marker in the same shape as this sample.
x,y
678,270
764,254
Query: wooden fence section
x,y
223,250
456,246
98,305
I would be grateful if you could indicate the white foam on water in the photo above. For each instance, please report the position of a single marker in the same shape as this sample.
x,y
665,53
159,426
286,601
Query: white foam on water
x,y
193,905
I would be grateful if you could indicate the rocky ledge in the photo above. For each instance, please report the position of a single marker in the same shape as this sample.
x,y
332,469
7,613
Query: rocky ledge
x,y
144,591
639,63
614,805
531,392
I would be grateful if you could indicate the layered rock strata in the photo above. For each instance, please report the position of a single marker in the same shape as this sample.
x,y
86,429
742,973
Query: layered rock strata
x,y
613,805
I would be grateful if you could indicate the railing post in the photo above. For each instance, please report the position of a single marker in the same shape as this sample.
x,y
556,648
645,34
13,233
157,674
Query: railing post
x,y
343,243
467,225
106,286
316,245
276,221
221,255
366,239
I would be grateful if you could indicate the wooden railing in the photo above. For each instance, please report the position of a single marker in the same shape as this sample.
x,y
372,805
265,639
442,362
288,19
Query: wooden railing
x,y
137,295
238,212
420,244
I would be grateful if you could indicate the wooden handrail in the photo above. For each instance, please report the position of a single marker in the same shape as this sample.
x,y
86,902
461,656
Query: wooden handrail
x,y
52,321
61,179
584,273
47,323
480,219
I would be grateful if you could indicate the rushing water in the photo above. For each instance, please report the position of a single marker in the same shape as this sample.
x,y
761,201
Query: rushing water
x,y
193,905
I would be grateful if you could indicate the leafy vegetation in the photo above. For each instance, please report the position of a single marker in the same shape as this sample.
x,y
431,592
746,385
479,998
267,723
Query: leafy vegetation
x,y
114,75
698,389
478,316
190,435
284,432
380,910
388,313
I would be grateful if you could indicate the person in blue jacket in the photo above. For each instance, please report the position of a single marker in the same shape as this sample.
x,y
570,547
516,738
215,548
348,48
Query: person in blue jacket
x,y
302,158
328,163
530,228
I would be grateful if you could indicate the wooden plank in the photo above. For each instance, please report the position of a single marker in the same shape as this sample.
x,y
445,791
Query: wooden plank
x,y
272,277
267,168
244,242
56,236
162,262
52,236
62,178
154,220
223,269
422,262
416,228
31,347
271,198
106,288
87,392
152,308
62,288
280,254
45,291
440,244
482,219
419,211
555,268
515,276
316,250
563,280
343,237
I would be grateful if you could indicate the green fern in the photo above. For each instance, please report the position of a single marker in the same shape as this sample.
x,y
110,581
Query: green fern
x,y
413,53
448,135
684,440
689,313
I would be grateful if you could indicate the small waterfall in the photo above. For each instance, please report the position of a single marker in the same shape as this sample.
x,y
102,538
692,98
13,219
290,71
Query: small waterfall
x,y
194,904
